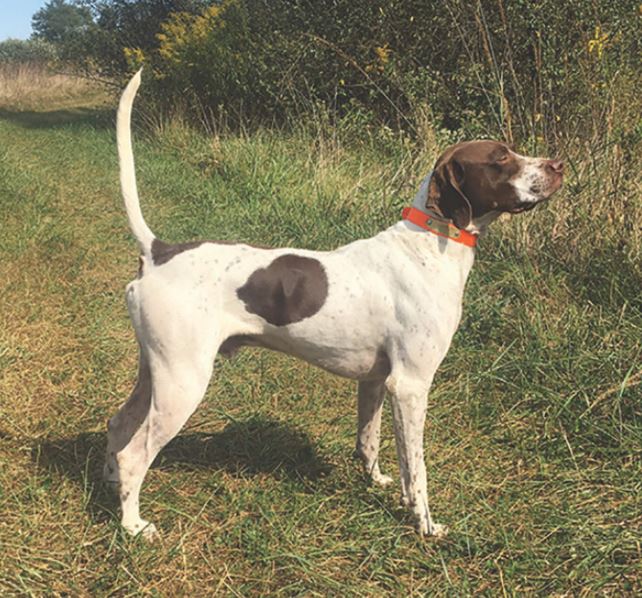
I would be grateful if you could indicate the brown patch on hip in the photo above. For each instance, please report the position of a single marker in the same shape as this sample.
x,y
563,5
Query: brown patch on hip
x,y
289,290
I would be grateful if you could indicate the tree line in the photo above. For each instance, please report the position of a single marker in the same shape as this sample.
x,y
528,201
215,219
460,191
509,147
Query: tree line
x,y
521,68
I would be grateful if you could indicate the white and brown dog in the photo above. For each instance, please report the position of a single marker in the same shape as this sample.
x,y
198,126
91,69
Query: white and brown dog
x,y
381,311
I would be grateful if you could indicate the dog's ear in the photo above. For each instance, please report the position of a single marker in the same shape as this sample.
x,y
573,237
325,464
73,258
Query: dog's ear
x,y
445,195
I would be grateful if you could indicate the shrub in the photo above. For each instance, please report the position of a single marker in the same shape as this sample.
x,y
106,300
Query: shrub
x,y
21,51
120,24
522,70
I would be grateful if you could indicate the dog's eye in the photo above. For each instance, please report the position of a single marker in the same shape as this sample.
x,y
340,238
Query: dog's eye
x,y
503,158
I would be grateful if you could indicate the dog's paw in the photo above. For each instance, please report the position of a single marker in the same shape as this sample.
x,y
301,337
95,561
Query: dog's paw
x,y
438,531
428,528
150,533
143,529
373,471
381,479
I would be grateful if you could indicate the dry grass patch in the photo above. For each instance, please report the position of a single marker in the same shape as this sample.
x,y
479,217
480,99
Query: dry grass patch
x,y
27,86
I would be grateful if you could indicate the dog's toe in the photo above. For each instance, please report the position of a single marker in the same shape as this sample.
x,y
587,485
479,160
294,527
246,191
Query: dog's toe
x,y
439,531
382,480
143,529
150,533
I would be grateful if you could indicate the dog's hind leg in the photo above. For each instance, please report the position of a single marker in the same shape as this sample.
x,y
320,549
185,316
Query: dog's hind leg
x,y
122,426
176,391
370,402
176,364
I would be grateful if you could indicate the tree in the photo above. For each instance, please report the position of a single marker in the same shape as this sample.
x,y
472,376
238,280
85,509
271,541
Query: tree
x,y
58,21
120,24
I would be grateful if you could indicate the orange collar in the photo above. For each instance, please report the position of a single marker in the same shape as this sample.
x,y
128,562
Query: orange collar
x,y
438,226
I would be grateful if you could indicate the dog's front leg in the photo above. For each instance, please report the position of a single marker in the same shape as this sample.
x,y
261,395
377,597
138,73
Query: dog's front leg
x,y
409,401
370,397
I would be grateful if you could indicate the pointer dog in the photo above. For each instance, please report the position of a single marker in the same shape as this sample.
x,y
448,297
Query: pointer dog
x,y
381,311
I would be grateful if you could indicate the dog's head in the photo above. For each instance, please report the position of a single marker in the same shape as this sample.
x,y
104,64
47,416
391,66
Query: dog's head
x,y
476,181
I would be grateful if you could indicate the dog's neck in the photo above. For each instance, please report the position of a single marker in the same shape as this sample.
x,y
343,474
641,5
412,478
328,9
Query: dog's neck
x,y
421,196
478,226
454,259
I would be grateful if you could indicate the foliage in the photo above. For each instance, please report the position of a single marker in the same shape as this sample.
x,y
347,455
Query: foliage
x,y
58,21
18,50
521,70
120,24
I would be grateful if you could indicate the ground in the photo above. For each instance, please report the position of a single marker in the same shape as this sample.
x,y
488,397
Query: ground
x,y
533,433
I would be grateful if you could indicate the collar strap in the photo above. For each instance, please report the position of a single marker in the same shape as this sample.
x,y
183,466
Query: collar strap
x,y
439,227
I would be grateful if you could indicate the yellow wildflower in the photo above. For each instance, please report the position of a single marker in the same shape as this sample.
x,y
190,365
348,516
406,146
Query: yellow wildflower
x,y
135,57
599,42
383,53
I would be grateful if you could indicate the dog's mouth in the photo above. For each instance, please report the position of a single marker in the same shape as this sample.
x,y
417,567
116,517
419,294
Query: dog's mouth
x,y
540,192
525,206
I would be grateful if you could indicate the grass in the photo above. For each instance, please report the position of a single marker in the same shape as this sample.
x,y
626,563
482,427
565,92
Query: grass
x,y
533,432
26,85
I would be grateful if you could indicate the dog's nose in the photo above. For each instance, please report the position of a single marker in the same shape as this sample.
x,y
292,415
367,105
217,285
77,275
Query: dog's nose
x,y
556,166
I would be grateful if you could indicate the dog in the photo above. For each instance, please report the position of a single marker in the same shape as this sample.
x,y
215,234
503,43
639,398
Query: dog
x,y
381,311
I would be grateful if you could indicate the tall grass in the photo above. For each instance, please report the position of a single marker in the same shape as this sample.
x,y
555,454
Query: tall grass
x,y
534,423
34,84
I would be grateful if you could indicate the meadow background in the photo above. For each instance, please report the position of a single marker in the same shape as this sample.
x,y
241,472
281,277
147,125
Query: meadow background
x,y
311,124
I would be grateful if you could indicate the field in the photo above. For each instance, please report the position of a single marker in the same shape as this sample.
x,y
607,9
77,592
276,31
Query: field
x,y
534,428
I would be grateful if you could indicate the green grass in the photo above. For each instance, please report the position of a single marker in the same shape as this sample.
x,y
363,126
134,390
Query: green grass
x,y
533,435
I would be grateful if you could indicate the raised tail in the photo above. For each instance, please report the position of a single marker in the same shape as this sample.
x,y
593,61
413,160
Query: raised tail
x,y
137,223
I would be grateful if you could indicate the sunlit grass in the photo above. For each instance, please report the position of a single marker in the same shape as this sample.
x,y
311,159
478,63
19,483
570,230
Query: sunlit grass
x,y
31,85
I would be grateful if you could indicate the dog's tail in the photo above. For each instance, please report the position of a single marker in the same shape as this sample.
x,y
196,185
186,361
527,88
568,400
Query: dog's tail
x,y
137,223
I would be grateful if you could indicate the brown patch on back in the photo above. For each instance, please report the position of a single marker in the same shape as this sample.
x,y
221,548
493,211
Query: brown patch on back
x,y
163,252
289,290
